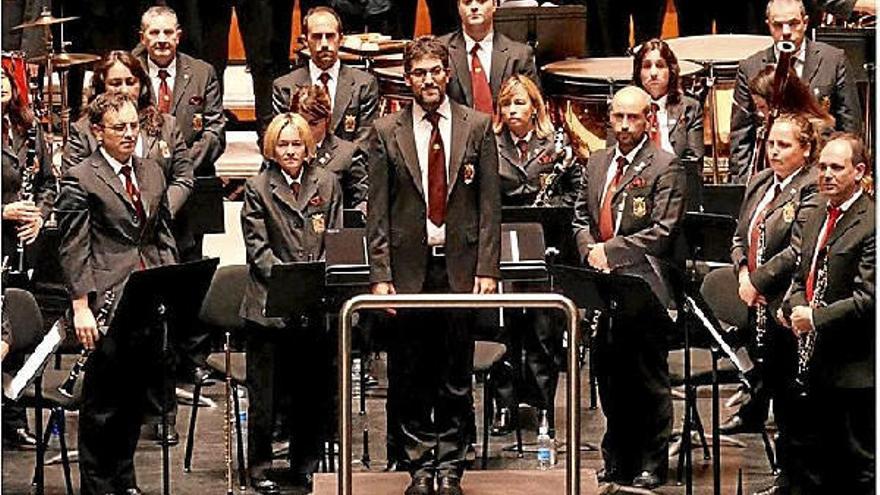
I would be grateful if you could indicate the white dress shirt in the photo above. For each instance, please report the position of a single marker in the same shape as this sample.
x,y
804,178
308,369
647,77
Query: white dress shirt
x,y
153,71
315,73
663,124
116,165
800,58
612,167
484,54
422,131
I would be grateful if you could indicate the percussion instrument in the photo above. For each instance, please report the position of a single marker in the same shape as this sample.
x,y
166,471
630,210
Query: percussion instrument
x,y
394,94
15,63
63,60
45,19
588,84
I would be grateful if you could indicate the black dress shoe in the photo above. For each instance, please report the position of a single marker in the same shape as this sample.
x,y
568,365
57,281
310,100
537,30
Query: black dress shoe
x,y
202,375
502,425
770,490
420,485
154,433
647,480
133,491
449,485
20,438
736,424
609,475
303,480
265,486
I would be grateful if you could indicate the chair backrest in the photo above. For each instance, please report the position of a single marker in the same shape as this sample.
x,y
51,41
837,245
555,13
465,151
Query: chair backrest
x,y
25,319
720,291
223,300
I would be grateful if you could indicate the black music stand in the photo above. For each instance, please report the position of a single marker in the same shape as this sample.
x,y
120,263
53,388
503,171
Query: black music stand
x,y
556,222
723,199
352,218
205,206
161,295
295,289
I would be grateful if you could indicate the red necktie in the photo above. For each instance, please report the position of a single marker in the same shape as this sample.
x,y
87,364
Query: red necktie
x,y
606,218
133,194
480,83
325,81
164,92
523,146
654,125
294,187
833,215
436,173
755,233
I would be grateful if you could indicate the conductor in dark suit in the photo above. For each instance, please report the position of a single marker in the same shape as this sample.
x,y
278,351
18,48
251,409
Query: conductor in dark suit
x,y
343,158
823,67
287,209
114,219
354,93
628,220
433,226
483,59
832,304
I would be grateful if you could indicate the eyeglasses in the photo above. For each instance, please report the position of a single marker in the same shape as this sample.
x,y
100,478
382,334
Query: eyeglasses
x,y
122,127
437,72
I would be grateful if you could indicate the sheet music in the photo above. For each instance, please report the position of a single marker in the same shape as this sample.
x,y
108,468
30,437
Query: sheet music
x,y
13,386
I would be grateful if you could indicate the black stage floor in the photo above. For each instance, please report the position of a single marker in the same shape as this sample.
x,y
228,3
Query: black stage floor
x,y
208,467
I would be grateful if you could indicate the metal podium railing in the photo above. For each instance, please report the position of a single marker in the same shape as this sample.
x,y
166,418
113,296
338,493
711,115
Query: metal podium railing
x,y
458,301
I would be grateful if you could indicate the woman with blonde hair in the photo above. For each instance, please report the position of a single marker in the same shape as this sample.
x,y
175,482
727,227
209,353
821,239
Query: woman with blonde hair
x,y
287,209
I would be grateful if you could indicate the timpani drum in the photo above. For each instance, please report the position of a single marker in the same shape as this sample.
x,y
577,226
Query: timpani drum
x,y
16,64
394,94
588,84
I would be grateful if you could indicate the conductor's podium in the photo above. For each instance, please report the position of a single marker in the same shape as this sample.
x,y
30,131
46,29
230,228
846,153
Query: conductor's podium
x,y
491,482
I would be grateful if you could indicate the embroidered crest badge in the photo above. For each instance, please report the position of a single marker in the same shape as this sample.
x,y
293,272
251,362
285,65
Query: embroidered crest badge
x,y
788,212
468,173
350,123
640,206
198,122
318,224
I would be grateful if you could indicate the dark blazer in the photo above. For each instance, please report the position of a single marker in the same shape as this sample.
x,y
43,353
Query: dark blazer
x,y
279,228
508,58
349,163
396,231
354,106
14,159
829,76
783,223
685,121
521,182
197,104
167,148
845,322
648,241
102,241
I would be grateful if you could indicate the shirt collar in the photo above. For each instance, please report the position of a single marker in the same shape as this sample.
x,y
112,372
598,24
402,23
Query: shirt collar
x,y
315,71
800,55
632,154
292,180
785,182
153,69
485,43
527,137
846,205
115,164
661,102
445,110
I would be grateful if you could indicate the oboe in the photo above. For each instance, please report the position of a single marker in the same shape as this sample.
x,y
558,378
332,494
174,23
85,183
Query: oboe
x,y
807,340
562,158
26,193
66,388
227,423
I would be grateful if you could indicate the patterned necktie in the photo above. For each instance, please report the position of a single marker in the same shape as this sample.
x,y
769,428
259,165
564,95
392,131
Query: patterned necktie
x,y
164,92
833,215
294,187
133,194
654,125
436,173
606,218
480,83
325,81
523,146
755,233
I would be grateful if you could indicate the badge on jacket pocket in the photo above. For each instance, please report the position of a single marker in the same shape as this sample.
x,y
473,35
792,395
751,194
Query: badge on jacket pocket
x,y
198,122
788,212
350,123
163,148
468,173
318,223
640,206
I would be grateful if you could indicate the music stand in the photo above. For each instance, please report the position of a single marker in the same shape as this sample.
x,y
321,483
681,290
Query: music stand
x,y
204,208
723,199
295,289
556,222
159,295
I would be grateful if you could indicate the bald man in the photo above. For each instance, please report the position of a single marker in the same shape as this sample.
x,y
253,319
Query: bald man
x,y
628,219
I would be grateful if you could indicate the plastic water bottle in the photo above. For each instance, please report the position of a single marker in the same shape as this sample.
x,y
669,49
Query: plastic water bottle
x,y
243,418
54,438
546,444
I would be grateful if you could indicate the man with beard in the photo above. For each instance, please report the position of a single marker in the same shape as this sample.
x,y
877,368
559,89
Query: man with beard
x,y
483,59
628,219
354,93
433,226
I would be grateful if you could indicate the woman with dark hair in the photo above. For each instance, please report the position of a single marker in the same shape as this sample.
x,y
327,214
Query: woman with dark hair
x,y
676,120
796,98
159,139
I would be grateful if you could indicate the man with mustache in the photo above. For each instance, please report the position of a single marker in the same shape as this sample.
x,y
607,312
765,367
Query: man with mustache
x,y
114,219
354,94
433,226
483,59
628,217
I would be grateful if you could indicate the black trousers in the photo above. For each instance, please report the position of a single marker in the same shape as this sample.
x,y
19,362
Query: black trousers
x,y
293,363
114,399
633,381
430,367
608,24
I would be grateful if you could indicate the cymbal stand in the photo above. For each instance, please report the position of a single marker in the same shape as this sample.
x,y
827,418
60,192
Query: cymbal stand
x,y
713,109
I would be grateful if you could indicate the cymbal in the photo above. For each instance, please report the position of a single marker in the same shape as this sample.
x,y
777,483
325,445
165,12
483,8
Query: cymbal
x,y
44,20
64,60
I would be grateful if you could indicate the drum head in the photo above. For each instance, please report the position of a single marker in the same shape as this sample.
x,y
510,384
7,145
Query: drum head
x,y
718,48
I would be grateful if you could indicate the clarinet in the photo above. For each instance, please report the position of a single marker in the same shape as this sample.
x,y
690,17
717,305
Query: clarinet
x,y
26,193
66,388
761,309
563,156
227,417
807,340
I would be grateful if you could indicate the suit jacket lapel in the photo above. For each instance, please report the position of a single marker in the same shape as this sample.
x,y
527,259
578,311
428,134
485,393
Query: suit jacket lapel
x,y
811,62
499,62
597,177
146,187
673,116
105,172
406,143
640,162
461,66
849,220
344,88
149,140
460,131
788,194
181,81
281,190
308,189
507,150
